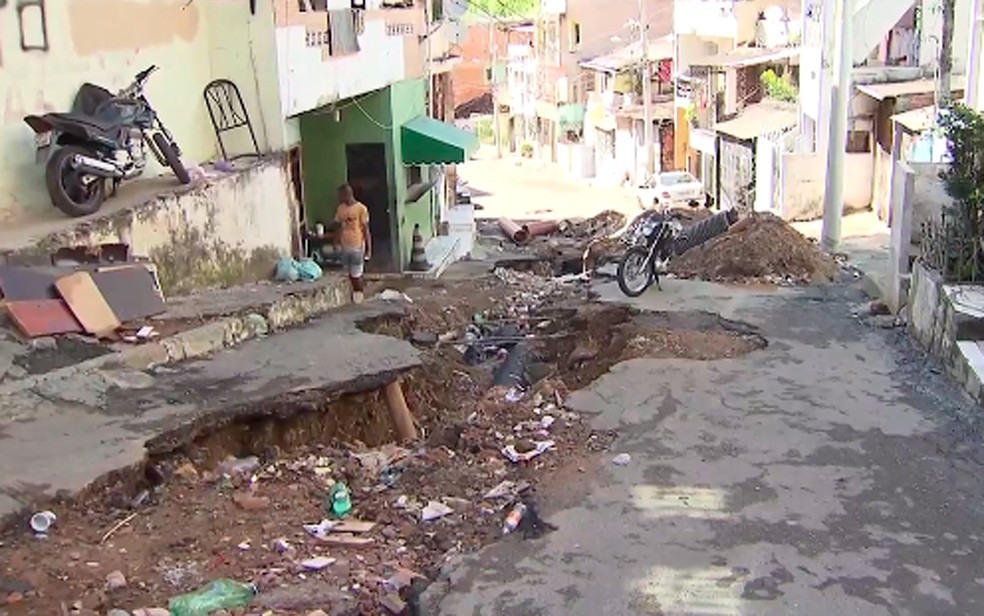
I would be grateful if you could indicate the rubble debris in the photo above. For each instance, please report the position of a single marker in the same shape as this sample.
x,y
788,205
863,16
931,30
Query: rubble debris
x,y
435,510
761,247
233,466
42,521
318,563
115,580
515,456
391,295
622,459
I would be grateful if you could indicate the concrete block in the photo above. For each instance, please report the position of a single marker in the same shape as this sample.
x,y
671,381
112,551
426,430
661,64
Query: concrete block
x,y
202,340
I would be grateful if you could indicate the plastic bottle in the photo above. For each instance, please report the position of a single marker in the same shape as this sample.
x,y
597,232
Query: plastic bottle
x,y
514,518
339,500
216,595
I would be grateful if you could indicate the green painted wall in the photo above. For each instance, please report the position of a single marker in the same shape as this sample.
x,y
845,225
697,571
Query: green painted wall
x,y
408,102
323,141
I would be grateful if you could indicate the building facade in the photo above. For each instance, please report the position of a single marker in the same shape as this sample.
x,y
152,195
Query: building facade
x,y
284,60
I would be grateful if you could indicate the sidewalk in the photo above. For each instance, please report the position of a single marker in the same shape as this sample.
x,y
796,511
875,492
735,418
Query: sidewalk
x,y
63,431
866,241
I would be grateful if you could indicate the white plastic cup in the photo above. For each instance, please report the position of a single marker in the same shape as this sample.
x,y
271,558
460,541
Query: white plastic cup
x,y
42,521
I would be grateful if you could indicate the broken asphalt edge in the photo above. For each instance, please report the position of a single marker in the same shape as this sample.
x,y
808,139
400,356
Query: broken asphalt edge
x,y
224,332
208,421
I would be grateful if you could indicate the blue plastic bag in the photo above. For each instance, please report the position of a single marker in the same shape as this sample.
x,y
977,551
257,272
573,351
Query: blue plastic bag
x,y
287,270
308,269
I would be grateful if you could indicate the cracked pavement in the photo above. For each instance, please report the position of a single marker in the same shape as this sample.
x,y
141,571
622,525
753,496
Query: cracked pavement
x,y
833,472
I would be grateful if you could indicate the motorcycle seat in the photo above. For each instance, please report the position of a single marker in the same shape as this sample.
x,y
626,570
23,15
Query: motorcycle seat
x,y
101,124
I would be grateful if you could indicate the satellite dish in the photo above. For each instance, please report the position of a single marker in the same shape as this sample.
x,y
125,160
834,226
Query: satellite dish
x,y
456,32
455,9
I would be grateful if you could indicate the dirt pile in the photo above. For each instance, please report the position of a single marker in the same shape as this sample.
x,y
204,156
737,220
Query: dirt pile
x,y
759,248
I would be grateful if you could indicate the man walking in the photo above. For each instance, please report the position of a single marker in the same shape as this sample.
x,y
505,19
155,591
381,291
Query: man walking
x,y
353,239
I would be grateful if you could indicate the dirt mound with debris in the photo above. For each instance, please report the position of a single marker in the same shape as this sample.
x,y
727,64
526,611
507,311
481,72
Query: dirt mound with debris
x,y
759,248
195,515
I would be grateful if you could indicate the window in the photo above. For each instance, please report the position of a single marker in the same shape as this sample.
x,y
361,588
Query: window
x,y
437,10
575,37
342,29
415,176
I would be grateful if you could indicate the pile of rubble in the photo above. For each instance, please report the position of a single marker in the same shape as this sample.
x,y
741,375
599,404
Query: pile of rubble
x,y
759,248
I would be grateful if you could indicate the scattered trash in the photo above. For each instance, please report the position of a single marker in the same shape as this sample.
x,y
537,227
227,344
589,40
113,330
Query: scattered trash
x,y
622,459
115,580
539,448
217,595
293,270
42,522
532,525
243,546
339,500
239,466
320,530
318,563
435,510
506,488
391,295
282,546
514,395
513,518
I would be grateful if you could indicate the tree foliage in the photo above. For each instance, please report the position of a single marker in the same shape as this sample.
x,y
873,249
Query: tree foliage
x,y
503,9
954,245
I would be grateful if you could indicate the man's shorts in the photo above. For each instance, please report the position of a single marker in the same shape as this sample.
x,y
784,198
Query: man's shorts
x,y
353,262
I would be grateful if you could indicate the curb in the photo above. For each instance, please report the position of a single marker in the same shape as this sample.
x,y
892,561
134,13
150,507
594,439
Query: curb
x,y
224,332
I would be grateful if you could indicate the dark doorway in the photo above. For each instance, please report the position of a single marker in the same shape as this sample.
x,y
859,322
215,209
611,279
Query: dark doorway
x,y
366,164
297,185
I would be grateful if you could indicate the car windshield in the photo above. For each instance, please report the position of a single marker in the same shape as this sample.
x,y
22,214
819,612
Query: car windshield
x,y
676,177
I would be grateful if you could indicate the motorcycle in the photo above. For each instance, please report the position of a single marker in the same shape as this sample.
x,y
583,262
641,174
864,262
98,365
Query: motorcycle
x,y
651,239
104,138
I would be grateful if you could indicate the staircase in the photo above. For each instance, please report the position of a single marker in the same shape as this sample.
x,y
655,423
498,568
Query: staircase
x,y
872,21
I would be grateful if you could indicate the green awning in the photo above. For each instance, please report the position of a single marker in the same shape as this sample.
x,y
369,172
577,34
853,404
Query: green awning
x,y
427,141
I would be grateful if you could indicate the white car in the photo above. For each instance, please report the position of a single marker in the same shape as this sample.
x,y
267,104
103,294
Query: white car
x,y
672,189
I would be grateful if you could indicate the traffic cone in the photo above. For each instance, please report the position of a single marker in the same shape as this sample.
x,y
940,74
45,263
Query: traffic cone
x,y
418,260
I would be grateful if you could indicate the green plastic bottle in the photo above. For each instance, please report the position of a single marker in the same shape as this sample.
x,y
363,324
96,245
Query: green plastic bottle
x,y
339,500
217,595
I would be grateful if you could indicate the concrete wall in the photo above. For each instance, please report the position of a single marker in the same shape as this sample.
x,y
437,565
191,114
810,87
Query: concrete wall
x,y
377,120
106,42
311,77
802,177
229,231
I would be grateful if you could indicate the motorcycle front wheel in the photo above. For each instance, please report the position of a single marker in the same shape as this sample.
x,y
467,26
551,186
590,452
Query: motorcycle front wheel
x,y
634,274
67,187
170,154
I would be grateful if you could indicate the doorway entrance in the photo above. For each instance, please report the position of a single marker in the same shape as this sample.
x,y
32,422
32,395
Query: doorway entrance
x,y
366,163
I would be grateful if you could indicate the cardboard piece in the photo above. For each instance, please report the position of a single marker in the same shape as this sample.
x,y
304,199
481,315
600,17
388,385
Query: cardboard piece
x,y
352,526
87,304
346,540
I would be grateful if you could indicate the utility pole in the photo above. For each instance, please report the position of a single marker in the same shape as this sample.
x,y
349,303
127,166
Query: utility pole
x,y
972,91
496,129
944,90
840,97
647,87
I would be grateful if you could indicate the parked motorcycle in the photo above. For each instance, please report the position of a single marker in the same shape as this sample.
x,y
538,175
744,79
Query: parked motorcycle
x,y
654,238
651,239
105,137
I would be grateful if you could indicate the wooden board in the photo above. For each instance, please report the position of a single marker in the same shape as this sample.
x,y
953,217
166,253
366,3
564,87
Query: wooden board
x,y
346,540
18,284
48,317
87,304
352,526
130,290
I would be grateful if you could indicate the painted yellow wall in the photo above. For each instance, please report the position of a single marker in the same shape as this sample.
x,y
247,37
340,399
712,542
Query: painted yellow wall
x,y
106,42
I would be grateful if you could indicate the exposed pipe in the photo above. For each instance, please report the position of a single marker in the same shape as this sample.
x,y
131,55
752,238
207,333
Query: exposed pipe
x,y
543,227
400,412
87,164
513,231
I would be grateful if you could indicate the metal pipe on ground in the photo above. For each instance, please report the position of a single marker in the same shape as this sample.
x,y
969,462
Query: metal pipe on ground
x,y
701,232
543,227
512,371
518,234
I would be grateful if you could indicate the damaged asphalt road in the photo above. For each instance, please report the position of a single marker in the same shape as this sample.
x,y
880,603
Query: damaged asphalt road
x,y
831,473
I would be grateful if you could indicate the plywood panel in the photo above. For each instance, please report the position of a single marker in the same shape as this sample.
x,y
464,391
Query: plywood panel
x,y
87,303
